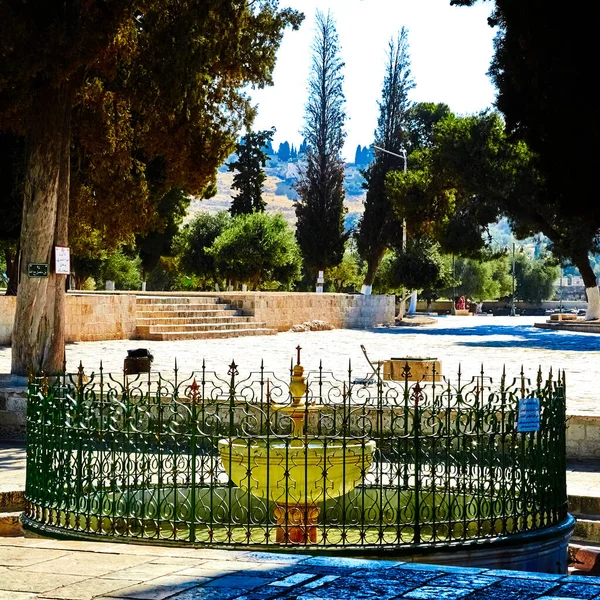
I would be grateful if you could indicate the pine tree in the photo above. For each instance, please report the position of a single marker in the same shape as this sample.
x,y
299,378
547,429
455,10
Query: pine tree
x,y
293,153
378,226
320,186
249,172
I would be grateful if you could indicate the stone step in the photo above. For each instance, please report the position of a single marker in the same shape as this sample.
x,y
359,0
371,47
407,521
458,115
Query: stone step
x,y
162,314
211,326
587,528
10,524
210,334
584,505
176,300
192,320
176,306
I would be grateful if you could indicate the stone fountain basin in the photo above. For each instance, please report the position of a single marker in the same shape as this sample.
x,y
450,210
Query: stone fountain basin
x,y
296,472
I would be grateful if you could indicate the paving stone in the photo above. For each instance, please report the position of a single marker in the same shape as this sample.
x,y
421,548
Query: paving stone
x,y
295,579
146,571
577,590
24,557
320,581
18,580
86,589
211,593
429,592
358,588
400,574
275,557
440,568
524,575
515,589
238,581
88,564
464,581
156,589
336,562
6,595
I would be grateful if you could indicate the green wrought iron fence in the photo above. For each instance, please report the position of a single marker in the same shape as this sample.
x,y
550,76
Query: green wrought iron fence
x,y
258,461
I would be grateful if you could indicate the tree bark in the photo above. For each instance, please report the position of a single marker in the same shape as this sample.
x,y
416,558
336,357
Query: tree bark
x,y
38,339
591,287
373,263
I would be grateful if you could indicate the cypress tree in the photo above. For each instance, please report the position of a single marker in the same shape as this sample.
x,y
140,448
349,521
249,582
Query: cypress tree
x,y
320,186
378,226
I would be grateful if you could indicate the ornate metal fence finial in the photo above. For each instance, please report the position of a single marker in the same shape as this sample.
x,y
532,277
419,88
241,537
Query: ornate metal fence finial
x,y
194,387
80,376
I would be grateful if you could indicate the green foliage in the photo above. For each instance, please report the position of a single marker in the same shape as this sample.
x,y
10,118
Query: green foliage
x,y
421,119
421,267
348,275
320,209
171,211
123,270
535,279
249,172
385,281
167,276
259,250
194,241
481,280
458,184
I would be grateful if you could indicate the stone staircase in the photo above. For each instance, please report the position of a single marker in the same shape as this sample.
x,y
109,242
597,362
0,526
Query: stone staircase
x,y
162,318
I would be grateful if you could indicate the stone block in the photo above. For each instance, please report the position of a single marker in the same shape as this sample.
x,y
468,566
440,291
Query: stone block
x,y
592,432
17,403
575,431
573,451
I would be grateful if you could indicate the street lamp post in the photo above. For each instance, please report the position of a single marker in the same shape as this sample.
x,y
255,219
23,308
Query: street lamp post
x,y
560,304
412,307
512,298
403,157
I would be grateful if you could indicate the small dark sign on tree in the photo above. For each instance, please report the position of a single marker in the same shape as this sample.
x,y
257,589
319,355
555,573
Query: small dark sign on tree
x,y
37,270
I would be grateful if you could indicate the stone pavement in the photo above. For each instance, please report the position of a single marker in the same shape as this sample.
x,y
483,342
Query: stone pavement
x,y
72,570
494,342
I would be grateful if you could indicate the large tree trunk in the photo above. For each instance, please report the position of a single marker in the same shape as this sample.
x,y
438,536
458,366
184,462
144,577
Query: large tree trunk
x,y
38,339
373,263
591,287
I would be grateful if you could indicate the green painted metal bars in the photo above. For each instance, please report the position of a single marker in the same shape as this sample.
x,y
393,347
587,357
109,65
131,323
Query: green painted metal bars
x,y
397,463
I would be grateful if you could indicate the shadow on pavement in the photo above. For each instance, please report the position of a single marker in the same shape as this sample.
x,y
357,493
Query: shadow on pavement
x,y
521,336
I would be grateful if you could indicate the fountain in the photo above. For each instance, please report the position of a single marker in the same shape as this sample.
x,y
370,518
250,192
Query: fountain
x,y
431,470
299,472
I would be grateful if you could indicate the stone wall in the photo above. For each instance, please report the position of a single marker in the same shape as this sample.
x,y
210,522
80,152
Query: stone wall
x,y
583,437
13,403
7,316
100,317
282,310
89,317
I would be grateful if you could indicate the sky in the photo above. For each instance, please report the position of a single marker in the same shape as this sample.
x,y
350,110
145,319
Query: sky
x,y
450,47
